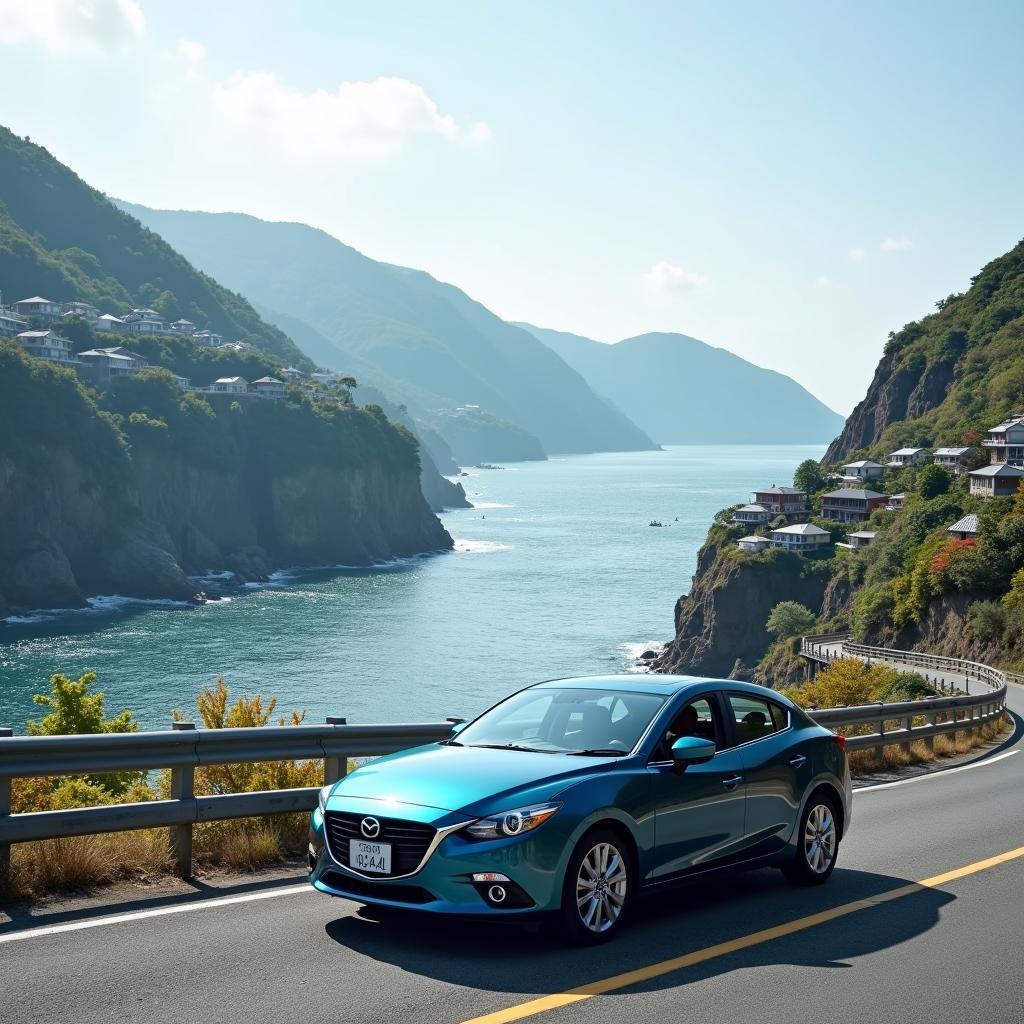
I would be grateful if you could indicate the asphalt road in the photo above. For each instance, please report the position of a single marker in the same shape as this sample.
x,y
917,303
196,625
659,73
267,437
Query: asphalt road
x,y
946,951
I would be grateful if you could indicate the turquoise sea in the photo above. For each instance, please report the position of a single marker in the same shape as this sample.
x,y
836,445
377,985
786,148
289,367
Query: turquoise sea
x,y
555,572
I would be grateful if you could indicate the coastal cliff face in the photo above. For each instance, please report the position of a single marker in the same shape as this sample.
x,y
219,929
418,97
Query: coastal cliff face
x,y
720,622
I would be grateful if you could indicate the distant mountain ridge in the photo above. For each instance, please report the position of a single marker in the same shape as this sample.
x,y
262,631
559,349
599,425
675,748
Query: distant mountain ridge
x,y
424,343
682,390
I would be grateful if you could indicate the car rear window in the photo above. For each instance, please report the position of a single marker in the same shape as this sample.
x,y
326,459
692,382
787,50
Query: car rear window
x,y
755,717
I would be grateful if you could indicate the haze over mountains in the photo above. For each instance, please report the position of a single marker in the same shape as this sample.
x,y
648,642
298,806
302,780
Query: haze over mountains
x,y
422,342
684,391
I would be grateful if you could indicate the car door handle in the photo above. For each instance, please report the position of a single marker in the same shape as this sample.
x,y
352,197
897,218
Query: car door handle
x,y
732,781
799,761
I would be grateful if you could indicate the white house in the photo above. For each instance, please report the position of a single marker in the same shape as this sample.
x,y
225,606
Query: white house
x,y
965,528
753,515
753,542
37,306
230,386
182,327
801,537
268,387
109,322
11,325
293,376
46,345
953,460
907,457
207,338
144,321
1005,442
860,538
864,469
85,310
896,502
996,480
236,346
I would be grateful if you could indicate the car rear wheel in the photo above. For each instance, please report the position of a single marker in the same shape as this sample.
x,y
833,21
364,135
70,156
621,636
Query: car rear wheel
x,y
598,888
817,843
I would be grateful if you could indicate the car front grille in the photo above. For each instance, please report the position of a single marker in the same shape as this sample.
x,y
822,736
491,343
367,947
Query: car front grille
x,y
409,840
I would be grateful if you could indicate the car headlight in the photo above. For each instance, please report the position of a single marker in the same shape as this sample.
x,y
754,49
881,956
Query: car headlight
x,y
322,796
512,823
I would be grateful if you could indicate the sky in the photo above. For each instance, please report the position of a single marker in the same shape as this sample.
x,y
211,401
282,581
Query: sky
x,y
789,181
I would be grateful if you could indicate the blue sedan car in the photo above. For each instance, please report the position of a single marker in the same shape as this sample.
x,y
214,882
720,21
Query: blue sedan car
x,y
573,797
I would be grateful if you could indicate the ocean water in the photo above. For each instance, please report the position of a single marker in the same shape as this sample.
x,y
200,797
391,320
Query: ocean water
x,y
555,572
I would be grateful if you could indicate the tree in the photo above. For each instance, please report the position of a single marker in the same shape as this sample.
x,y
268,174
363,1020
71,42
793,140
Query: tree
x,y
933,481
790,618
809,476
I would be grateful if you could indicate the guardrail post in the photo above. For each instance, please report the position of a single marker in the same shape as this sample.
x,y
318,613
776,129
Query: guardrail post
x,y
335,768
5,810
182,788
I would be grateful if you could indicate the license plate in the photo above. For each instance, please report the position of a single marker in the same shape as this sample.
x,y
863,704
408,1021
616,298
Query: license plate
x,y
370,858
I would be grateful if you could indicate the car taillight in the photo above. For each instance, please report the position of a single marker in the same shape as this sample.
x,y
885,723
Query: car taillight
x,y
840,740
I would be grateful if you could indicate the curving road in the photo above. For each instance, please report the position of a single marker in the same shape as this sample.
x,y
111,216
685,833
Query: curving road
x,y
872,945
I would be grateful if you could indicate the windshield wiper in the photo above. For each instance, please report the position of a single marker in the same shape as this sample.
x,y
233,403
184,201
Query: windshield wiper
x,y
511,746
598,752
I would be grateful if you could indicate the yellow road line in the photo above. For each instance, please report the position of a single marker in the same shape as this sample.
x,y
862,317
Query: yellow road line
x,y
642,974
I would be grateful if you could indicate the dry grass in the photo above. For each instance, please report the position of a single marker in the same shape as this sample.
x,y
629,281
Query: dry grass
x,y
863,762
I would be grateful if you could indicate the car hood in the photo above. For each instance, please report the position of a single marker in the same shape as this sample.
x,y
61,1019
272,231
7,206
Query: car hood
x,y
471,779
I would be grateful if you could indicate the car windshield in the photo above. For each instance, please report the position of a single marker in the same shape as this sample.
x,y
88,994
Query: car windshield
x,y
567,720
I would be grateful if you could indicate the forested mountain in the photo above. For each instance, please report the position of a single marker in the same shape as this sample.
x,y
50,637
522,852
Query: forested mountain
x,y
61,239
681,390
422,342
952,374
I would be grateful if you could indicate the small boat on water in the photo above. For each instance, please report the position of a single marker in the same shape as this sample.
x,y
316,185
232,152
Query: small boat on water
x,y
199,597
655,522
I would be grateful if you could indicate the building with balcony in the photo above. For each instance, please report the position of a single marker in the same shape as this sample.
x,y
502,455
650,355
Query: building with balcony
x,y
144,321
996,481
47,345
785,501
293,376
896,502
800,537
753,542
111,323
860,538
207,338
965,528
42,309
851,504
751,515
954,460
85,310
230,386
182,327
1005,442
863,469
268,387
906,457
11,325
104,365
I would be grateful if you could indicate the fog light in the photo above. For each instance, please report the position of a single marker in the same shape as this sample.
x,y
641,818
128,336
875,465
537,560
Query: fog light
x,y
490,876
311,858
496,894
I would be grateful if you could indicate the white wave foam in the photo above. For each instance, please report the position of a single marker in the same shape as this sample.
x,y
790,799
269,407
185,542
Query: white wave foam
x,y
489,504
479,547
631,652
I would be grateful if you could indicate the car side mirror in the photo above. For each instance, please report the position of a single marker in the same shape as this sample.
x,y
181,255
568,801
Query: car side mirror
x,y
457,727
689,750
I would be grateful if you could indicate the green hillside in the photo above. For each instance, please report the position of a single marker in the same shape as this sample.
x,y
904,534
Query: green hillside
x,y
64,240
422,342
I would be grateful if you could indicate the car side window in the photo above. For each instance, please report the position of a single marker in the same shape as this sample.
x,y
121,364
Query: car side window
x,y
755,717
698,718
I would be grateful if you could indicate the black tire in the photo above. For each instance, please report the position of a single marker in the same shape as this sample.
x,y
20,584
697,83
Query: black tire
x,y
593,922
817,842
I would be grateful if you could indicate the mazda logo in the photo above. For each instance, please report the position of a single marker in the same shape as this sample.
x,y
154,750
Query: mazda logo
x,y
370,827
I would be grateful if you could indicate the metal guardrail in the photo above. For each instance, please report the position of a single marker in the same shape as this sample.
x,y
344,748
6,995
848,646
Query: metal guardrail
x,y
182,749
914,719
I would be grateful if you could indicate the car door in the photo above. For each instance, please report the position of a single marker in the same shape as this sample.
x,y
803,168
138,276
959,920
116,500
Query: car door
x,y
698,812
774,768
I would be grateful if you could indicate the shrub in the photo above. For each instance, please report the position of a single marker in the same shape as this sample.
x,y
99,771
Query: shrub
x,y
987,620
933,481
790,618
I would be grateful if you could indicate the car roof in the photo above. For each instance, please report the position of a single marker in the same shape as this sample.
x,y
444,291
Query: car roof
x,y
658,685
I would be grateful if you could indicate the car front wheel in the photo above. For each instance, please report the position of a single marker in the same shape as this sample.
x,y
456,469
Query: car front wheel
x,y
817,843
598,888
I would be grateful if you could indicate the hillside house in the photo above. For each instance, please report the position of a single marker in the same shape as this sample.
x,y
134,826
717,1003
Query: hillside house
x,y
85,310
230,386
109,322
268,387
144,321
996,481
786,501
751,515
104,365
896,502
906,457
851,504
965,528
753,542
292,376
800,537
11,325
47,345
182,327
863,469
953,460
207,338
236,346
1005,442
860,538
43,309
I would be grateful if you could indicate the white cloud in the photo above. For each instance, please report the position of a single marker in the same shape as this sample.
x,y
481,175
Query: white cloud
x,y
72,26
856,254
896,244
369,120
192,52
822,281
667,277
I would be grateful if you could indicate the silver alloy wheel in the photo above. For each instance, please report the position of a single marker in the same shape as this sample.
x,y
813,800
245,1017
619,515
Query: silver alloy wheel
x,y
601,887
820,838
